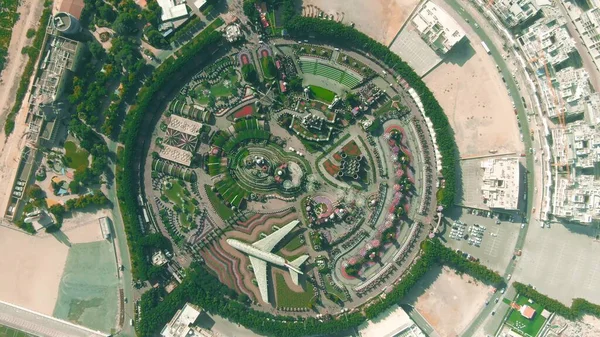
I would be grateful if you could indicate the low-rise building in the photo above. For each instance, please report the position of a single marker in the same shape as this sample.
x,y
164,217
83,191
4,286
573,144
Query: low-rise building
x,y
588,28
501,183
173,10
182,324
577,199
437,28
512,12
394,322
578,145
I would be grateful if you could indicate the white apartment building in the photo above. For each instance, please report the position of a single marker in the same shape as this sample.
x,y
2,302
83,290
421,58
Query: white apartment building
x,y
437,28
501,183
514,12
182,324
577,200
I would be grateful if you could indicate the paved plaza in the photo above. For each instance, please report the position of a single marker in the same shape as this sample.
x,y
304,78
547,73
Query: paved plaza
x,y
412,49
561,262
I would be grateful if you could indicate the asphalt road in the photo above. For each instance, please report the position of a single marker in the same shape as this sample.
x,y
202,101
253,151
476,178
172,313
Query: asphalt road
x,y
525,131
121,241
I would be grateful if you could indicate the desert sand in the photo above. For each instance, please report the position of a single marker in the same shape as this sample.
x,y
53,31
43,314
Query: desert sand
x,y
32,266
31,269
477,105
448,301
380,19
469,87
11,147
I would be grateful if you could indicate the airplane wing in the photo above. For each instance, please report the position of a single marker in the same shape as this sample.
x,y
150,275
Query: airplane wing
x,y
267,244
260,272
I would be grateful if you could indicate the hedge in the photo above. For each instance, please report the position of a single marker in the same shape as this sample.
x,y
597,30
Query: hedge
x,y
147,101
578,308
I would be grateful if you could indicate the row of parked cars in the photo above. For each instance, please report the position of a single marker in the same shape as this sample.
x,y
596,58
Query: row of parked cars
x,y
19,188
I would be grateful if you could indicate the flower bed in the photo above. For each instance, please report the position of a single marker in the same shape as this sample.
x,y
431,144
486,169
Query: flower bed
x,y
331,168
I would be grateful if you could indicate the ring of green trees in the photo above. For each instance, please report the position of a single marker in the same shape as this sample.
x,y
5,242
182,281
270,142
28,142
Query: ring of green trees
x,y
201,287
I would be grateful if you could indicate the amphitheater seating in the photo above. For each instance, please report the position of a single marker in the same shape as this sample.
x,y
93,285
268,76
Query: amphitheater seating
x,y
332,73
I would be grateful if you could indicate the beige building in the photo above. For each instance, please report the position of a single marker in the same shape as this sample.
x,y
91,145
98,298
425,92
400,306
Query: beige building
x,y
182,324
501,183
514,12
437,28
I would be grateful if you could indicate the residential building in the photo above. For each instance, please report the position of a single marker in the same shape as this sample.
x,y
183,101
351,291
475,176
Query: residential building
x,y
437,28
501,183
577,199
182,324
173,10
588,27
514,12
394,322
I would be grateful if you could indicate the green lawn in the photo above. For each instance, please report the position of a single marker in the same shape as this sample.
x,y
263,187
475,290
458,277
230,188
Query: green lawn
x,y
10,332
288,298
523,325
76,157
295,243
176,195
333,290
268,67
223,211
322,94
221,89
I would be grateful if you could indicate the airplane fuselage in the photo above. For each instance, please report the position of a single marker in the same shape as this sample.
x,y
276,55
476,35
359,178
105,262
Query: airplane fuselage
x,y
262,255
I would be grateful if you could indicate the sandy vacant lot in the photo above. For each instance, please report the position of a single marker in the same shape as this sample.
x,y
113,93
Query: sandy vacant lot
x,y
448,301
31,269
470,89
476,102
588,326
32,266
380,19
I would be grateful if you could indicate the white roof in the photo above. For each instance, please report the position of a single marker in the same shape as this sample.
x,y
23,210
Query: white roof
x,y
171,11
185,125
391,323
179,326
199,3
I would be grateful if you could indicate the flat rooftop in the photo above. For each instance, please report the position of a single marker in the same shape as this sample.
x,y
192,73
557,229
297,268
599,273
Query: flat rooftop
x,y
185,125
176,155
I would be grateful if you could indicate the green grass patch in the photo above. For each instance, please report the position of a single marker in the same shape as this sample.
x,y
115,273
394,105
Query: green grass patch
x,y
527,327
295,243
76,158
222,210
330,288
268,67
322,94
288,298
178,196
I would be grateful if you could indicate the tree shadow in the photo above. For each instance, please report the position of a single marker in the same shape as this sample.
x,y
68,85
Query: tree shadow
x,y
423,284
61,237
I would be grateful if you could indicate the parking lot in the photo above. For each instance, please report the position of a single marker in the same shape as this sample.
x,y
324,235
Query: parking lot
x,y
491,242
561,262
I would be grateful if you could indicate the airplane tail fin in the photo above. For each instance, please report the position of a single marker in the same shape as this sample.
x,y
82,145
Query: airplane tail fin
x,y
294,267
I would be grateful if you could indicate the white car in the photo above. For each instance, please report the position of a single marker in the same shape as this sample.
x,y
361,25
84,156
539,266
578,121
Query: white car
x,y
522,225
